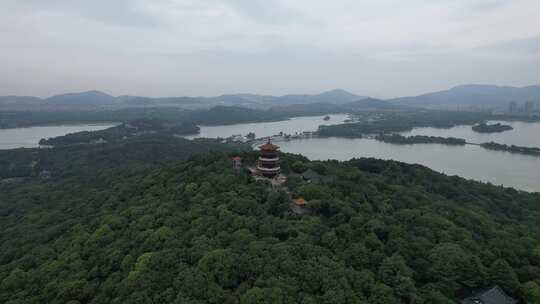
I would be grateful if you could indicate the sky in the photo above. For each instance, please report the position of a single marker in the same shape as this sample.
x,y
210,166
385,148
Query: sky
x,y
380,48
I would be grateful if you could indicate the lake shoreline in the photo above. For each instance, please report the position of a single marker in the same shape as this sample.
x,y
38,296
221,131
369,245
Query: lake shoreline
x,y
29,137
470,161
63,124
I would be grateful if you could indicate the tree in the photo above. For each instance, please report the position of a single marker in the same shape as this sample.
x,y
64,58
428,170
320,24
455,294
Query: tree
x,y
531,290
221,265
313,192
179,230
254,296
319,168
502,274
251,136
299,167
357,256
395,273
454,268
15,281
382,294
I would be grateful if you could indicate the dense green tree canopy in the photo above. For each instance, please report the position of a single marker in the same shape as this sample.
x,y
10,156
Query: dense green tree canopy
x,y
197,231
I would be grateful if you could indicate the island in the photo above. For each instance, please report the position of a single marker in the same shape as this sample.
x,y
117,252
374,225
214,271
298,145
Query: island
x,y
419,139
385,122
493,128
512,149
137,127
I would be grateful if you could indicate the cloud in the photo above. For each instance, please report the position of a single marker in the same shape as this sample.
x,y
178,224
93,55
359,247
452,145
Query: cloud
x,y
265,12
117,12
171,47
529,47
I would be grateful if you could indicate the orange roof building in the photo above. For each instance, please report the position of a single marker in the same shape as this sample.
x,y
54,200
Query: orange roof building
x,y
269,146
237,162
300,201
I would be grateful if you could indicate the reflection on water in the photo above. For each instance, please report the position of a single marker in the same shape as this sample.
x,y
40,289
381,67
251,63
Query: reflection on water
x,y
29,137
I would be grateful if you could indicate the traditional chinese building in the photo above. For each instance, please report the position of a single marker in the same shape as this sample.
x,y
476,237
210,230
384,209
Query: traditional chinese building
x,y
237,163
301,202
268,164
493,295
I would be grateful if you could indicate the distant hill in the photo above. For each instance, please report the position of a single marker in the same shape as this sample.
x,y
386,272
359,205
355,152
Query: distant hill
x,y
222,115
72,101
322,108
370,103
18,99
465,96
19,102
481,96
90,97
306,109
335,97
97,99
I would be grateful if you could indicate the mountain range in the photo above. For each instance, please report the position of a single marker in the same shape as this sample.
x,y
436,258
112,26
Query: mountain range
x,y
472,96
96,99
465,96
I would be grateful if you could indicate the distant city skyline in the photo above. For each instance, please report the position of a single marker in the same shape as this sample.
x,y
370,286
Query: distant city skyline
x,y
379,48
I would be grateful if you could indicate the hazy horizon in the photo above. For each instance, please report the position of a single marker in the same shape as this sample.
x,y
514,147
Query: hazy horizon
x,y
383,49
257,94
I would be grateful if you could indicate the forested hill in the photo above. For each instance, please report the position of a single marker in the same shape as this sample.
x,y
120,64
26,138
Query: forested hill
x,y
93,161
196,231
96,100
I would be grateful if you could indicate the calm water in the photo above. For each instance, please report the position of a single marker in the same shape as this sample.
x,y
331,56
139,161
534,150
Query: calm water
x,y
29,137
472,162
264,129
524,134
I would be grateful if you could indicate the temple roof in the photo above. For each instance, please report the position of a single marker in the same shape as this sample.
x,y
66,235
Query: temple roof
x,y
269,146
300,201
494,295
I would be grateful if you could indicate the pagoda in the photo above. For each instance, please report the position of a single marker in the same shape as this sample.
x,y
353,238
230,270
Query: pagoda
x,y
268,164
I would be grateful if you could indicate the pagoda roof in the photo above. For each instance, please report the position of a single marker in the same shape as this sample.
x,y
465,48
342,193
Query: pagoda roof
x,y
300,201
494,295
269,146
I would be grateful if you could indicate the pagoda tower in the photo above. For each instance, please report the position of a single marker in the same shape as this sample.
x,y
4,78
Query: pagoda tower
x,y
268,164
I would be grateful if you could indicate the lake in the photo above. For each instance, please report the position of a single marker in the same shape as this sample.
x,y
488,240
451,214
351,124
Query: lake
x,y
29,137
524,134
265,129
472,162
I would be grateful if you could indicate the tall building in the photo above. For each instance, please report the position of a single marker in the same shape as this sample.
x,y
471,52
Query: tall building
x,y
268,164
528,106
512,107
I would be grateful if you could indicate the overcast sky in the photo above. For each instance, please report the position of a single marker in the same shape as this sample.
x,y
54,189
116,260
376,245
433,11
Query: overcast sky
x,y
381,48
